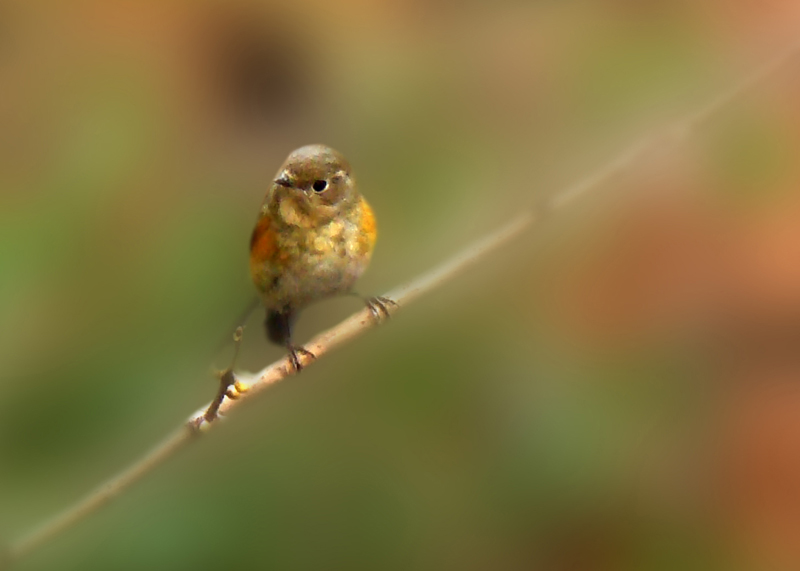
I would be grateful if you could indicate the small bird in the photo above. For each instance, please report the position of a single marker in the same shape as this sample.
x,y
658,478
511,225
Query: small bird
x,y
313,239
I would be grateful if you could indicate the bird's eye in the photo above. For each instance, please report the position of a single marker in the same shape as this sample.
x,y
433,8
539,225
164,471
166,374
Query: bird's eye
x,y
320,185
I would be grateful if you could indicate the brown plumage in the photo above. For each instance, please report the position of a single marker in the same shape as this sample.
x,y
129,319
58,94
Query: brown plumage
x,y
313,239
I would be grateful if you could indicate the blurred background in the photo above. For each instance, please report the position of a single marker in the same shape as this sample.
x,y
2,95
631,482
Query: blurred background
x,y
617,391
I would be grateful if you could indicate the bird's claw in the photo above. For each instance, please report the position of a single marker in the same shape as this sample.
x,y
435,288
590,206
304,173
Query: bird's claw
x,y
294,353
379,307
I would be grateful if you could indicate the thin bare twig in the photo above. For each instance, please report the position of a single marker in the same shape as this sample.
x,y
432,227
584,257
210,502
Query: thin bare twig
x,y
246,388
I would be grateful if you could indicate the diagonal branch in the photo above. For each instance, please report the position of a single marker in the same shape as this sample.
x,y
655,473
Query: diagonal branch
x,y
360,322
248,387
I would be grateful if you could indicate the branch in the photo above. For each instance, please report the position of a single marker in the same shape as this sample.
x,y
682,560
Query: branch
x,y
248,387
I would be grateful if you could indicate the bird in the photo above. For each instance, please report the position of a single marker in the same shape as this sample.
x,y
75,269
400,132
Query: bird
x,y
314,237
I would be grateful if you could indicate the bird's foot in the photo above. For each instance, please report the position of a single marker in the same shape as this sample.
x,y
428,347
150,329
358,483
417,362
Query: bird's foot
x,y
379,307
294,356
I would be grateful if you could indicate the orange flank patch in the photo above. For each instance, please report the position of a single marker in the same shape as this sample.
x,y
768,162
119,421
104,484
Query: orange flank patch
x,y
368,230
262,245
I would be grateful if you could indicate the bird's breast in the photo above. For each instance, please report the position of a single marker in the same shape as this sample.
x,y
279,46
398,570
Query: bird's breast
x,y
293,265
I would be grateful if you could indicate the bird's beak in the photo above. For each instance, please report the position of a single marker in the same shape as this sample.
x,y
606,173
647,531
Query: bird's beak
x,y
283,180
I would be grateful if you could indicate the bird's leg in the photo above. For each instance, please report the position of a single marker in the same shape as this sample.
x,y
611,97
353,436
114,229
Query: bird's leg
x,y
377,305
228,385
279,330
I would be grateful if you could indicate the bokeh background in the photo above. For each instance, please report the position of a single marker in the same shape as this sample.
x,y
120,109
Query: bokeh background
x,y
618,391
